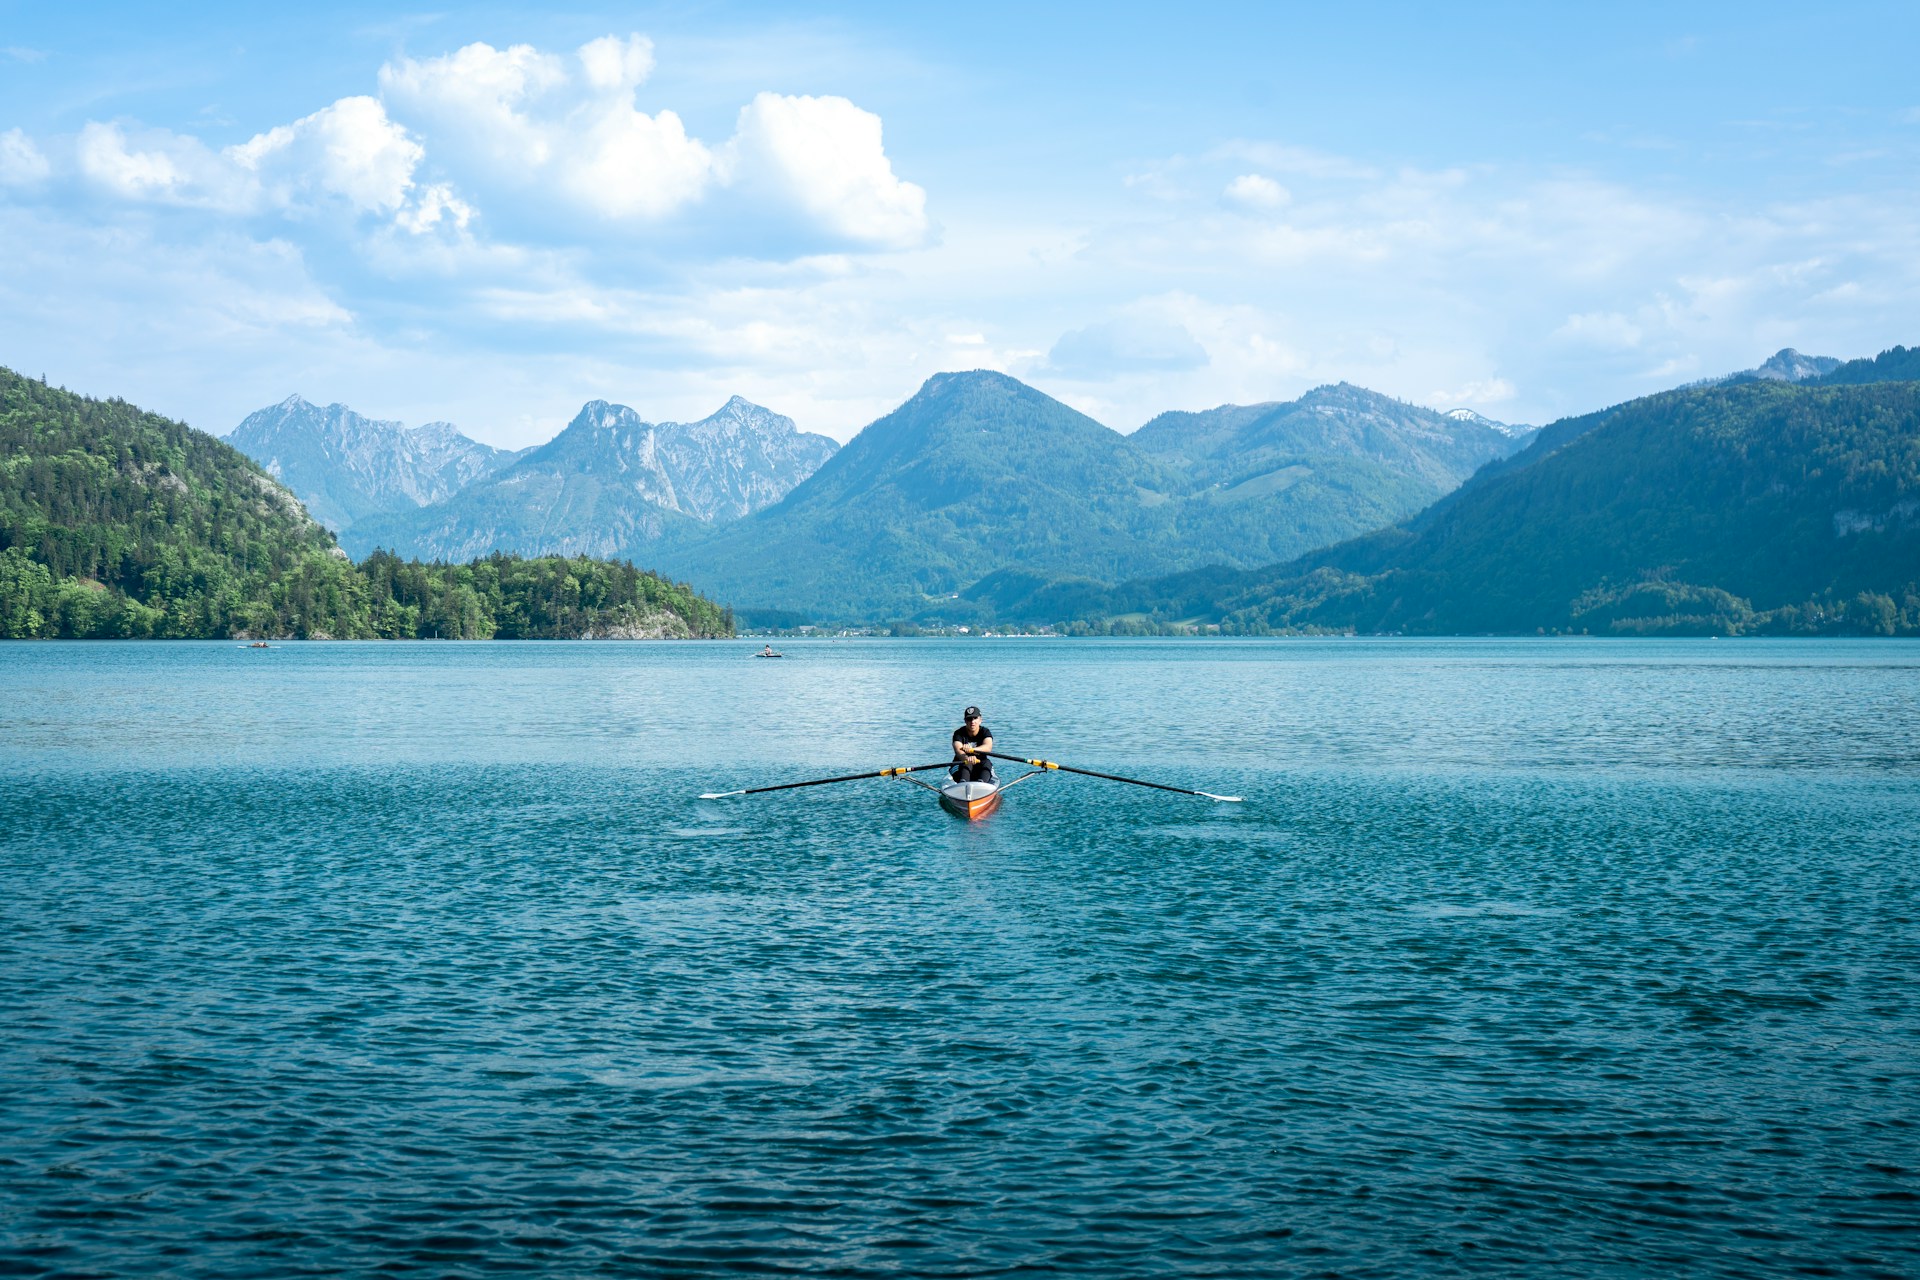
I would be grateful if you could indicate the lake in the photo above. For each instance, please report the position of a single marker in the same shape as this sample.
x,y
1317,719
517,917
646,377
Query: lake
x,y
1572,957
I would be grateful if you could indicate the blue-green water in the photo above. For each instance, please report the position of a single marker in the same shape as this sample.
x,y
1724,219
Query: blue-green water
x,y
1528,958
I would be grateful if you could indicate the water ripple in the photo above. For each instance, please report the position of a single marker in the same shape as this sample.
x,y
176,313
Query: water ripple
x,y
431,1015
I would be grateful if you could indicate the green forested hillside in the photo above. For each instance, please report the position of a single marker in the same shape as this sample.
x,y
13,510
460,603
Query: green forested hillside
x,y
1759,507
505,597
1896,364
974,472
120,523
981,494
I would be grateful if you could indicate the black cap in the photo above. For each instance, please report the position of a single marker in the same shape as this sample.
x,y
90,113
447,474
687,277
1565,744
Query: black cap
x,y
973,713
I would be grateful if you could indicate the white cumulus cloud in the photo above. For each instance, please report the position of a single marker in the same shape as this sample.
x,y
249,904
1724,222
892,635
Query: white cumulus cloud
x,y
348,152
518,119
350,149
433,207
613,65
825,156
554,149
473,103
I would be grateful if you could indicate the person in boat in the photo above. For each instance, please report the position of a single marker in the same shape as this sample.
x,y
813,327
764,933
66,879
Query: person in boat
x,y
768,652
971,743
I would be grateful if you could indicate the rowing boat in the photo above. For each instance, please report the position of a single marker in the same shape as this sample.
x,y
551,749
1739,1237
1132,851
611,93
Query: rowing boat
x,y
970,799
966,799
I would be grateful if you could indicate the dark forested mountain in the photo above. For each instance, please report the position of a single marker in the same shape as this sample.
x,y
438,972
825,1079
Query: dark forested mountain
x,y
119,522
612,484
1896,364
979,474
1755,506
115,522
345,467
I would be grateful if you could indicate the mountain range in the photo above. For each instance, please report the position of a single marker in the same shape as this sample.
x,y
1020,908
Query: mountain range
x,y
1764,505
981,499
610,484
977,475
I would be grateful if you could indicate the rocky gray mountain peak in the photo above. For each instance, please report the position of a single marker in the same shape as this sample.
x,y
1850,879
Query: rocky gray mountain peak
x,y
346,467
732,462
1788,365
612,483
1784,365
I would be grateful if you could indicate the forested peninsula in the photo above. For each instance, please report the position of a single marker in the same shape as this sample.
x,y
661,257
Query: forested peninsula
x,y
117,523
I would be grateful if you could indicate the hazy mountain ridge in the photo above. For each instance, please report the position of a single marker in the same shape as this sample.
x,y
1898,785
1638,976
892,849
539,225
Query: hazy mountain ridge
x,y
346,467
611,484
1235,444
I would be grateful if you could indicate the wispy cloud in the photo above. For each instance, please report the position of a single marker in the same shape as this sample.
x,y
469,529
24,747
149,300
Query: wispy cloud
x,y
21,162
1256,191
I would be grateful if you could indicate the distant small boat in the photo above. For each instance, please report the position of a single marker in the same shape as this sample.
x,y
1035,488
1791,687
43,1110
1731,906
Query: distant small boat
x,y
259,644
970,800
769,653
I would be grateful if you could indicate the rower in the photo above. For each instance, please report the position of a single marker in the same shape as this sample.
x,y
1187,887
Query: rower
x,y
971,743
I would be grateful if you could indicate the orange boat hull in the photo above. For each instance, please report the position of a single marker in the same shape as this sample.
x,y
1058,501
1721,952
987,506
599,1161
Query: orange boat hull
x,y
970,800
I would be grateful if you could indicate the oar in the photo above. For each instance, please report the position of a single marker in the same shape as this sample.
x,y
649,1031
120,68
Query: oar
x,y
1114,777
821,782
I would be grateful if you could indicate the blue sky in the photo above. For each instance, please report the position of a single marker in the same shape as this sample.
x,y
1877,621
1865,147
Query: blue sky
x,y
489,215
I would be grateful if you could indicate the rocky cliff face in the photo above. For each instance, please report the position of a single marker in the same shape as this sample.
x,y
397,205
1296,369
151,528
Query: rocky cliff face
x,y
346,467
1788,365
726,465
612,484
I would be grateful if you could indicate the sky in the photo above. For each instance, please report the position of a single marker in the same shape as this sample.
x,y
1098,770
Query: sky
x,y
489,215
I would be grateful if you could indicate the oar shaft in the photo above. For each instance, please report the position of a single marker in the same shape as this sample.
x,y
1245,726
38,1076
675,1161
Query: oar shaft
x,y
1110,777
821,782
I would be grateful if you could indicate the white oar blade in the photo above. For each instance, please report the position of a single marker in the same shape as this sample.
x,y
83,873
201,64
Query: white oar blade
x,y
719,795
1223,799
